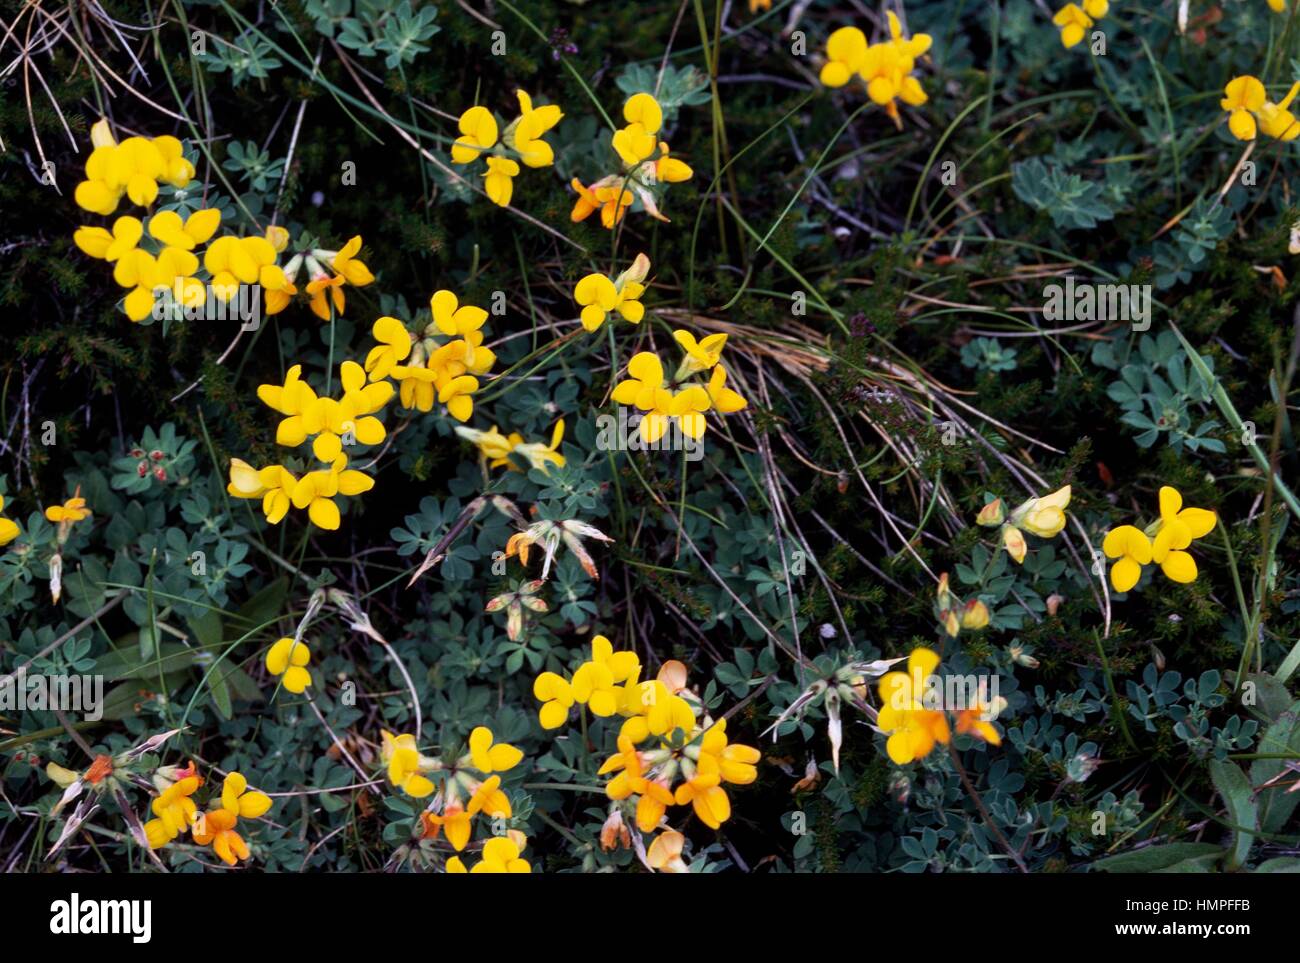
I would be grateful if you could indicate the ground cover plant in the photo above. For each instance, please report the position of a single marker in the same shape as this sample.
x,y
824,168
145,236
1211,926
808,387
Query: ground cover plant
x,y
685,436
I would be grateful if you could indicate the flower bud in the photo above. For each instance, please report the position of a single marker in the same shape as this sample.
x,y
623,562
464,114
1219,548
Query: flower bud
x,y
950,623
63,778
1013,540
975,615
992,514
944,595
1020,657
614,833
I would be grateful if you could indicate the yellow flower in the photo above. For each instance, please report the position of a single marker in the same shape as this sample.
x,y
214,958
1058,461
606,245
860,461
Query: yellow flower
x,y
352,415
236,797
324,291
654,707
73,510
609,195
1175,531
134,168
636,142
500,855
723,398
456,395
455,319
499,181
1133,550
1277,6
106,246
598,295
218,828
524,136
316,491
556,696
347,264
174,811
488,798
540,455
646,390
736,763
240,260
1276,120
292,399
289,659
167,227
9,529
488,758
394,347
455,820
403,760
1073,22
478,134
492,445
1243,97
1044,516
913,729
700,355
665,853
705,793
273,484
846,50
971,722
887,68
594,682
670,170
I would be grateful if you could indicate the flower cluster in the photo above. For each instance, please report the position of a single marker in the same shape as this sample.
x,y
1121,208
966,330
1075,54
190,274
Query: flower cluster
x,y
328,272
662,401
1250,110
158,262
915,721
1044,517
1162,542
885,68
133,168
175,812
466,786
598,295
331,424
523,137
427,368
1075,20
646,163
662,744
607,683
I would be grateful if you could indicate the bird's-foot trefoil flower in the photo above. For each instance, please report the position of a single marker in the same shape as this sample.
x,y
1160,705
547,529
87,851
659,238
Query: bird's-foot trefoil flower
x,y
598,295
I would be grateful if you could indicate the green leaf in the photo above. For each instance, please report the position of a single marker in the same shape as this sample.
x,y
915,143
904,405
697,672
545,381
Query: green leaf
x,y
1276,804
1279,864
1234,787
1155,858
